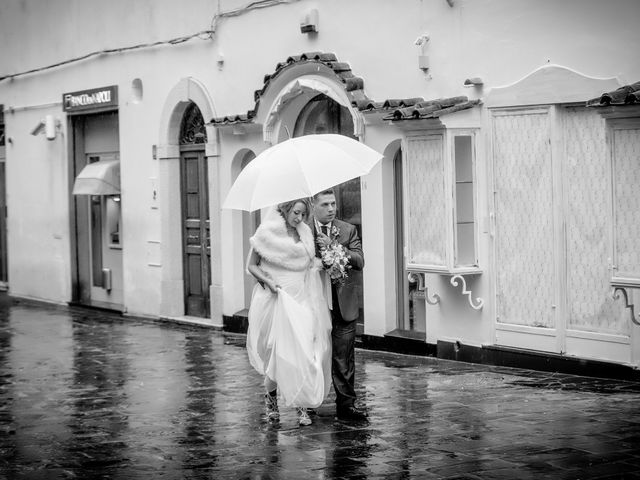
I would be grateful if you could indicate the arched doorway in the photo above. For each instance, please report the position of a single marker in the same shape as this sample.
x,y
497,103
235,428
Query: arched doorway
x,y
250,222
196,236
322,114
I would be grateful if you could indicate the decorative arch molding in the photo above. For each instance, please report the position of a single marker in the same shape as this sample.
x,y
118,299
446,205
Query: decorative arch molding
x,y
188,90
550,84
301,77
300,84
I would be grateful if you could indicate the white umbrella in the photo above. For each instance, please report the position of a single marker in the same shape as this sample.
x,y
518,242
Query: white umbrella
x,y
299,167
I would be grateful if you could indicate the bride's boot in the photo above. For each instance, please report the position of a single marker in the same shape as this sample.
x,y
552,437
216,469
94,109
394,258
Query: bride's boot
x,y
271,405
303,417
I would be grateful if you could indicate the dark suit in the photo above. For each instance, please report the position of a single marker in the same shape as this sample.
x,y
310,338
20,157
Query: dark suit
x,y
343,315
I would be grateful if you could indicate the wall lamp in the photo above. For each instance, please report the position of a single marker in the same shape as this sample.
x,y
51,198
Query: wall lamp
x,y
473,82
48,125
309,23
423,58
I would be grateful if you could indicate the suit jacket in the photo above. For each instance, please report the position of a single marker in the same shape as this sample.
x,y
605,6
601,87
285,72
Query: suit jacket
x,y
346,293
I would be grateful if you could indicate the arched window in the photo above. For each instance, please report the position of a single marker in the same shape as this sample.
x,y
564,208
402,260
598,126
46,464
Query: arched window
x,y
324,115
192,129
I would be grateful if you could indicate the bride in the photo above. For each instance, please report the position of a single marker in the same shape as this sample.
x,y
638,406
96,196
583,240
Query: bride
x,y
289,334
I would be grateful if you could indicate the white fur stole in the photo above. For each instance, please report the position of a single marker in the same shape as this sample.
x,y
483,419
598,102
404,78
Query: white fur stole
x,y
272,243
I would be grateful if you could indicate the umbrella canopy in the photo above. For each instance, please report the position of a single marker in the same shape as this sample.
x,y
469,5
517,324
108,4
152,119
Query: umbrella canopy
x,y
299,167
99,178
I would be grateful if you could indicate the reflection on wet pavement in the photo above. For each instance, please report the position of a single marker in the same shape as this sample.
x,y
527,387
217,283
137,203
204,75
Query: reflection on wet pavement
x,y
87,394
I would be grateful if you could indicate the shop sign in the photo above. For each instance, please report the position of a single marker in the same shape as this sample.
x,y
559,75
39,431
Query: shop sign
x,y
93,99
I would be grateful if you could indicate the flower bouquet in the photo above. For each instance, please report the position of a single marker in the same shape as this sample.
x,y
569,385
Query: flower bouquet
x,y
334,259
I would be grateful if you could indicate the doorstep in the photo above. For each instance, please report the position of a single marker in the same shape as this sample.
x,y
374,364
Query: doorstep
x,y
236,323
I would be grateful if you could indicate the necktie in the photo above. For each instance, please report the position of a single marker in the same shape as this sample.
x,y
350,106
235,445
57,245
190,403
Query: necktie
x,y
325,229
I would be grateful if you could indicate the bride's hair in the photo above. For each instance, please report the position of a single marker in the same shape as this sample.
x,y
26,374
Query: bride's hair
x,y
286,207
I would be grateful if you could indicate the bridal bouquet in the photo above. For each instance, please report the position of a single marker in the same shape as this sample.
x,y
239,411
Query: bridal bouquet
x,y
334,259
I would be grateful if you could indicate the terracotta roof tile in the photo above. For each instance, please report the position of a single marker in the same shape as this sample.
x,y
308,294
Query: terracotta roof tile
x,y
339,66
397,108
633,97
431,108
233,119
625,95
392,103
366,104
353,85
293,59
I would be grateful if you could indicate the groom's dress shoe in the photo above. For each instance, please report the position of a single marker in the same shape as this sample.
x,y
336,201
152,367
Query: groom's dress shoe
x,y
350,413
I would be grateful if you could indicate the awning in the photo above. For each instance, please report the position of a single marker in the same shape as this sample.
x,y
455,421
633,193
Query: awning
x,y
99,178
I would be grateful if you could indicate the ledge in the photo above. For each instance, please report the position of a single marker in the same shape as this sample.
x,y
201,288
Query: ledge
x,y
413,343
396,343
535,360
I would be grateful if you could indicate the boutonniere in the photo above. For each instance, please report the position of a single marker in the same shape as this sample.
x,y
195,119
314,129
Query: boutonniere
x,y
335,231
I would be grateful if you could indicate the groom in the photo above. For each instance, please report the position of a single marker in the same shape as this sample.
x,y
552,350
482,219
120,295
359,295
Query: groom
x,y
344,311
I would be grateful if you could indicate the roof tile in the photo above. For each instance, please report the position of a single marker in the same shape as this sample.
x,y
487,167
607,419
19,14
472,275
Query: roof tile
x,y
633,97
396,108
625,95
339,66
354,83
431,108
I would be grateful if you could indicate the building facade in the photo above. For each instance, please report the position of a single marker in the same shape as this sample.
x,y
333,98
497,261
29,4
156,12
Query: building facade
x,y
503,218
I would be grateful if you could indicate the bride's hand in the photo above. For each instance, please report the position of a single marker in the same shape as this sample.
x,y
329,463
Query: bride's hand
x,y
273,286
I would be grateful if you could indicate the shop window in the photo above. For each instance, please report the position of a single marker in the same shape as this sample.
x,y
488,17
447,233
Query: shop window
x,y
440,202
625,150
464,191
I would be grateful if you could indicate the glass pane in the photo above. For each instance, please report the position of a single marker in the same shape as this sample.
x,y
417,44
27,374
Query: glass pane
x,y
464,203
590,305
96,239
466,255
192,129
463,158
524,239
627,201
426,207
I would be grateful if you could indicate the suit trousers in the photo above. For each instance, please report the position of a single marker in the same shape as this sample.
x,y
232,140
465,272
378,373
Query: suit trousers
x,y
343,362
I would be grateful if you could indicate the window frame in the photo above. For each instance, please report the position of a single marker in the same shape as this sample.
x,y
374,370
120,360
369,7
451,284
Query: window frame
x,y
448,177
614,125
452,134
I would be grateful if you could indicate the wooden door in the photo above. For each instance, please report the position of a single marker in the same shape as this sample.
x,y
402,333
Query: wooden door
x,y
195,230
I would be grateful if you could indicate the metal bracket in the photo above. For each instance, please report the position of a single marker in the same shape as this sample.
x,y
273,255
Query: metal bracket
x,y
420,278
460,279
615,294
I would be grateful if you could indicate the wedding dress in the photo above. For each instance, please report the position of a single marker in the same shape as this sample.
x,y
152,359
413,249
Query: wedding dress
x,y
289,334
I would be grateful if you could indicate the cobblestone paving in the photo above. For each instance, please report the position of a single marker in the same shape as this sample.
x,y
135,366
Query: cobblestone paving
x,y
93,395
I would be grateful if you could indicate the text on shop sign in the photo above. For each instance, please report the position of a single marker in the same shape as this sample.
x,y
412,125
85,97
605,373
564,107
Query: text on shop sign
x,y
90,99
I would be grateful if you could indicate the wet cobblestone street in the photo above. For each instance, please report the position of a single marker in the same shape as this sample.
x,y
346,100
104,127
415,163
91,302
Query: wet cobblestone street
x,y
88,394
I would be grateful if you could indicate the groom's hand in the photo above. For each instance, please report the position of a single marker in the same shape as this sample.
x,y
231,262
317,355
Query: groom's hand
x,y
322,240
